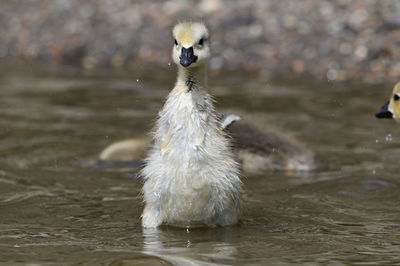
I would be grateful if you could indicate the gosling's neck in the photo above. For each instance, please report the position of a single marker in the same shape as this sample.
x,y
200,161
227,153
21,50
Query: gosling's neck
x,y
190,79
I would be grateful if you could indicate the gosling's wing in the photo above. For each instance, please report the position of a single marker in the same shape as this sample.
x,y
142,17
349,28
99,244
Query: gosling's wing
x,y
226,120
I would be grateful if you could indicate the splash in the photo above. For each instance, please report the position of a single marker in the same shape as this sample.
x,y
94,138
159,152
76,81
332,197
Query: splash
x,y
389,138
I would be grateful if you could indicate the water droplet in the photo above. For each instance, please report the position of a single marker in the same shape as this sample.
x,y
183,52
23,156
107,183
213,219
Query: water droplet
x,y
389,137
374,172
169,63
137,80
377,141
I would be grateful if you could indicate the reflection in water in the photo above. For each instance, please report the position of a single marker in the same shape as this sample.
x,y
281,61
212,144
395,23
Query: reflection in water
x,y
168,245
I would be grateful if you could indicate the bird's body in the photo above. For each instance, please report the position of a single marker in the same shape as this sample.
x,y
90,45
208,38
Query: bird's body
x,y
126,150
259,150
191,177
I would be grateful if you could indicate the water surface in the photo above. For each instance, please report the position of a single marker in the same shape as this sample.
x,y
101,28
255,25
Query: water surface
x,y
54,210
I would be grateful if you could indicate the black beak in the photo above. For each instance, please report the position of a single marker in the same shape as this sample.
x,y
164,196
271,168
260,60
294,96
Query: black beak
x,y
187,57
384,112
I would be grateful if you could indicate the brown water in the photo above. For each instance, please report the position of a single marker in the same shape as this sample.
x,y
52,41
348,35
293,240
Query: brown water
x,y
53,210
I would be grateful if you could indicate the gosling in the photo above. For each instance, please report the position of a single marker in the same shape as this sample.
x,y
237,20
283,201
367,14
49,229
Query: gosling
x,y
391,109
191,177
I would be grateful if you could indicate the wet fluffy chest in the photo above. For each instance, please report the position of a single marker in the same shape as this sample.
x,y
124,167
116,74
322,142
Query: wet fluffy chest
x,y
186,121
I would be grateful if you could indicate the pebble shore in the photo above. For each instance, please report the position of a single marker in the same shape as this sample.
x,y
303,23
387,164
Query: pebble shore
x,y
337,40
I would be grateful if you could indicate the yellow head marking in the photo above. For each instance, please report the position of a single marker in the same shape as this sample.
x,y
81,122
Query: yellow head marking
x,y
188,34
185,35
396,88
394,105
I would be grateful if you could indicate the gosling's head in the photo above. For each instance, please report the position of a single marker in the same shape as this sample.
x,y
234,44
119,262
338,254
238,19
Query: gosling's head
x,y
392,108
191,46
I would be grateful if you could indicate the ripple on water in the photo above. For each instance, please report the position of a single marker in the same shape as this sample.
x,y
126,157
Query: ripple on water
x,y
53,209
17,198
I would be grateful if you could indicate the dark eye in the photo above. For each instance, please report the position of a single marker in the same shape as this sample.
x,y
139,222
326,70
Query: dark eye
x,y
396,97
201,42
176,43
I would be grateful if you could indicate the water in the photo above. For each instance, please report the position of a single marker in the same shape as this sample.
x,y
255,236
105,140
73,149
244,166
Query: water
x,y
54,210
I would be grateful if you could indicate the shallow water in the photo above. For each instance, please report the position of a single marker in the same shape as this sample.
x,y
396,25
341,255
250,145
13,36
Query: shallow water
x,y
54,210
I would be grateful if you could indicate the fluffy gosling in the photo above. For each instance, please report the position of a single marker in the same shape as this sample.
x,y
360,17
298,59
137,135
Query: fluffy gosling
x,y
191,177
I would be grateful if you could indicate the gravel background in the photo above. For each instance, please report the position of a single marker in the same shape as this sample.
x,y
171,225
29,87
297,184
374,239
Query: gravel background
x,y
355,40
